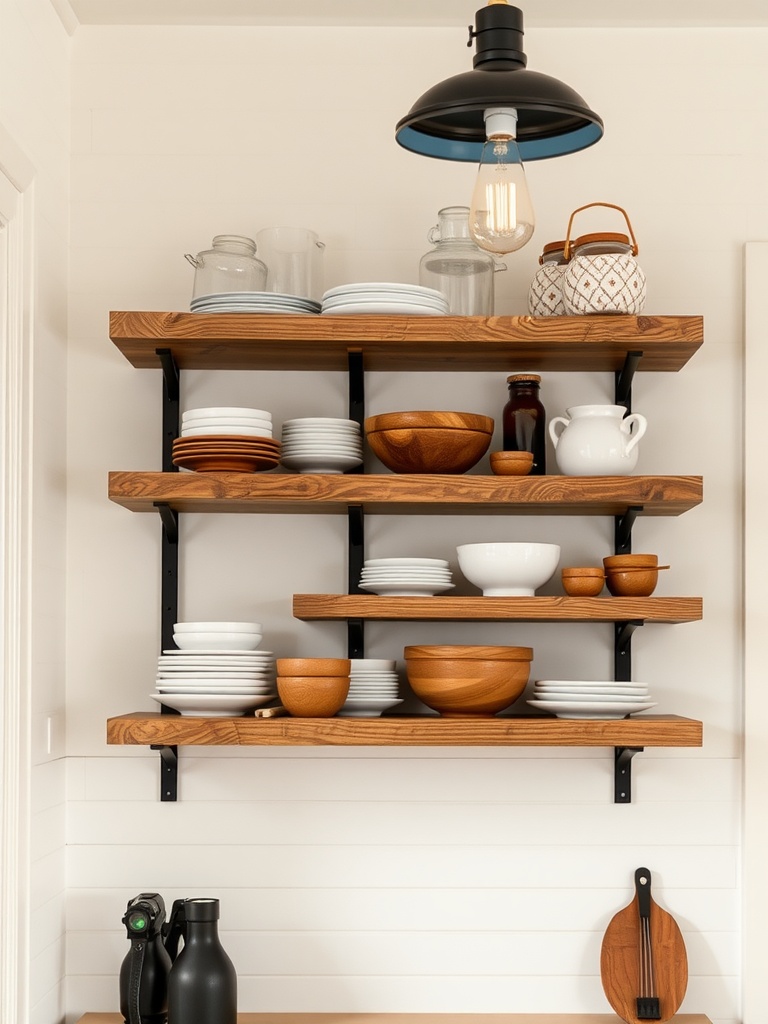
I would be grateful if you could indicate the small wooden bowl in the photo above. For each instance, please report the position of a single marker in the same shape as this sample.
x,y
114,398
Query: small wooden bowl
x,y
312,666
511,463
634,581
630,561
584,581
312,696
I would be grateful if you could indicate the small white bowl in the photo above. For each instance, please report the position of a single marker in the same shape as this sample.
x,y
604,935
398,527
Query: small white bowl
x,y
217,627
508,569
217,641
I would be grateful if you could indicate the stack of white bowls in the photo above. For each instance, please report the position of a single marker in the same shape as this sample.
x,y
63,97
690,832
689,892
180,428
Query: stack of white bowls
x,y
321,444
373,688
406,577
590,698
385,297
229,421
216,671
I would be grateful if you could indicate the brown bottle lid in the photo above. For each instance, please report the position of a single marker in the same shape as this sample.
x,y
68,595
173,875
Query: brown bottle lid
x,y
531,377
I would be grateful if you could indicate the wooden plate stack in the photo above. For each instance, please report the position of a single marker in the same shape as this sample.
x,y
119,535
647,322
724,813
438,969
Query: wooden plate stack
x,y
216,453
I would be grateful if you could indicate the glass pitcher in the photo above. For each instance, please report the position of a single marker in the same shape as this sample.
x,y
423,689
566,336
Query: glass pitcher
x,y
294,259
230,266
457,267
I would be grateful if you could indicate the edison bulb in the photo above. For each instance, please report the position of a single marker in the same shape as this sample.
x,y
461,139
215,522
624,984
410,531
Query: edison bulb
x,y
501,214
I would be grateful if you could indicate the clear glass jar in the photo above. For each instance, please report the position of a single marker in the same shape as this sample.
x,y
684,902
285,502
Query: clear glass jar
x,y
545,296
457,267
230,266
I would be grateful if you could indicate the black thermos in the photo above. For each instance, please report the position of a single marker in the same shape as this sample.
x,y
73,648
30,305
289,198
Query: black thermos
x,y
202,986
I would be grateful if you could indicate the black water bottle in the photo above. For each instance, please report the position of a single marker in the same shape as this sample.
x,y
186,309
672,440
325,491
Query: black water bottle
x,y
202,986
523,420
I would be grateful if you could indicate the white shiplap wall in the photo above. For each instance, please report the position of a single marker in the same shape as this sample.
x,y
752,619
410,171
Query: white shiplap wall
x,y
396,879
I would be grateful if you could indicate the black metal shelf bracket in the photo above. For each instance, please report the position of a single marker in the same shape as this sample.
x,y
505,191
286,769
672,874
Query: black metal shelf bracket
x,y
171,393
622,650
622,773
355,561
623,379
169,772
622,536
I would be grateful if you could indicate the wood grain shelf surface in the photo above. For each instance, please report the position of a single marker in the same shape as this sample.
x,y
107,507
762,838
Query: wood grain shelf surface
x,y
501,343
323,607
395,494
417,1018
642,730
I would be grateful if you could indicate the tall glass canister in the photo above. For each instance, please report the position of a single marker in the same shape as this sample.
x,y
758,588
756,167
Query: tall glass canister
x,y
457,267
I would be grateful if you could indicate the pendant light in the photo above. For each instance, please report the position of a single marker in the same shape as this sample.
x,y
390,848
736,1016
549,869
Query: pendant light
x,y
499,115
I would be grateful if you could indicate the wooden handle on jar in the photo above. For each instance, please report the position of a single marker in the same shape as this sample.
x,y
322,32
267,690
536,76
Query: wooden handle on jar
x,y
611,206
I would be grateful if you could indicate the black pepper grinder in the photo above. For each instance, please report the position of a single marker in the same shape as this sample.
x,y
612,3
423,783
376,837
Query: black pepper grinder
x,y
202,985
523,420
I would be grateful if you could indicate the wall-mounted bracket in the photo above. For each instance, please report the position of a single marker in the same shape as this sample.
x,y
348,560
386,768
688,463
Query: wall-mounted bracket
x,y
622,533
169,772
622,650
355,562
622,773
623,379
171,393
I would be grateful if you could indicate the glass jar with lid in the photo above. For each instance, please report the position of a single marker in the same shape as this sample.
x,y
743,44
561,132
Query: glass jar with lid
x,y
457,267
602,273
545,296
231,265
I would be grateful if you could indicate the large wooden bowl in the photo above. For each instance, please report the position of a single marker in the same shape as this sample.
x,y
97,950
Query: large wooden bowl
x,y
429,442
469,686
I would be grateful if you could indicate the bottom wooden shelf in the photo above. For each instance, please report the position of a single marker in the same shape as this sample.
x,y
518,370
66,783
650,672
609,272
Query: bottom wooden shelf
x,y
417,1018
154,728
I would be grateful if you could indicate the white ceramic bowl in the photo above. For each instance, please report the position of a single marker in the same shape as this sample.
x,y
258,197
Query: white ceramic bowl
x,y
508,569
217,627
217,641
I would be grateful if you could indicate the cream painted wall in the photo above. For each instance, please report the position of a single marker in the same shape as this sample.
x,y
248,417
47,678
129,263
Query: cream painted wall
x,y
392,879
34,117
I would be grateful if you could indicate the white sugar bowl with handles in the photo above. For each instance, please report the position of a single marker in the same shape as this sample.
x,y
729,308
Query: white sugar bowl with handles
x,y
602,274
597,440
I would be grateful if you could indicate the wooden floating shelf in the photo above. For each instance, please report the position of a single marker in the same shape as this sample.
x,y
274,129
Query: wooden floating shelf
x,y
257,341
395,494
314,607
417,1018
154,728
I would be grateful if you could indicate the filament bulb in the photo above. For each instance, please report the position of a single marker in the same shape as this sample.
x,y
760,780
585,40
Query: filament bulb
x,y
501,214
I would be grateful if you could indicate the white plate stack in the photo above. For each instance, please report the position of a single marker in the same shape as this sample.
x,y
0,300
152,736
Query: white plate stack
x,y
568,698
215,683
406,577
227,420
373,688
384,297
253,302
321,444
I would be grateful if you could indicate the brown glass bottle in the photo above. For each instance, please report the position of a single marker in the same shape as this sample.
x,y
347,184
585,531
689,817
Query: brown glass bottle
x,y
524,418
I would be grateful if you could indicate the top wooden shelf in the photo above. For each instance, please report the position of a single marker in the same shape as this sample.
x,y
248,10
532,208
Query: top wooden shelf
x,y
417,1018
257,341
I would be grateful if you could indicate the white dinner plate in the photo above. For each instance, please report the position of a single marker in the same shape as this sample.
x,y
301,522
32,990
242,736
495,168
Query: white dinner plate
x,y
220,705
382,308
228,654
361,707
587,709
320,463
557,692
406,589
384,562
382,286
608,698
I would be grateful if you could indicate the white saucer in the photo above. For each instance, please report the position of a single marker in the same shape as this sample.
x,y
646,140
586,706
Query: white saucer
x,y
361,707
220,705
586,709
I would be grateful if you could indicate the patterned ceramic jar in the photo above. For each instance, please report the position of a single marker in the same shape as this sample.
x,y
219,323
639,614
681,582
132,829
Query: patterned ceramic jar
x,y
545,296
602,273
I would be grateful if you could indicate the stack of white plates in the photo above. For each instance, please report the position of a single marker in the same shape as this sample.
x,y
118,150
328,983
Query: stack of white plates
x,y
253,302
321,444
384,297
373,688
215,683
568,698
227,420
406,577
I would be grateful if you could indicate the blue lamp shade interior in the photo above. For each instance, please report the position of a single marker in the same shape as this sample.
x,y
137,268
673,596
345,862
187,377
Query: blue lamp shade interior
x,y
470,151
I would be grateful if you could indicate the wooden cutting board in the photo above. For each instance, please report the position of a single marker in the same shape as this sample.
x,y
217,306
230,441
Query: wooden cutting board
x,y
624,965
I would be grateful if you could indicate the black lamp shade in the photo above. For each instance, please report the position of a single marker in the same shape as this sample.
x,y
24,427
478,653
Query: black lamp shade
x,y
447,121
